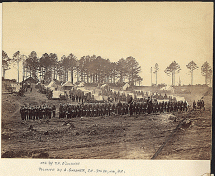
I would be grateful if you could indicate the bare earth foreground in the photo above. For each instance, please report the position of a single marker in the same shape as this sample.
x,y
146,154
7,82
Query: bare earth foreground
x,y
115,137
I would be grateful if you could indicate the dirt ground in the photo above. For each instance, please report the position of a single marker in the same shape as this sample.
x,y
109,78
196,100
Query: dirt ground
x,y
114,137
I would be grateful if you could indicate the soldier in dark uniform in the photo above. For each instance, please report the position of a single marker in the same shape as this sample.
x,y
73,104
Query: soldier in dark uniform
x,y
185,106
84,110
22,113
198,104
40,112
72,111
194,105
91,111
112,109
61,111
131,108
103,109
35,113
203,104
43,111
171,106
118,106
162,107
69,112
46,112
175,107
77,111
80,110
156,107
141,108
126,108
30,111
49,112
53,110
137,108
107,109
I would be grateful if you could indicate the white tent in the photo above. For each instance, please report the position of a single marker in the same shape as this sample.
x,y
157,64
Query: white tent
x,y
16,87
98,98
168,88
125,86
56,94
81,84
67,85
53,83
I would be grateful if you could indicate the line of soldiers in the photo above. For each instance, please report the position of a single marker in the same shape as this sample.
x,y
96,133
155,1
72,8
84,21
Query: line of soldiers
x,y
199,105
107,109
37,112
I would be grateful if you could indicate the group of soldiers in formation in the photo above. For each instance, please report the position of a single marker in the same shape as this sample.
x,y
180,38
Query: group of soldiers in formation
x,y
199,105
107,109
37,112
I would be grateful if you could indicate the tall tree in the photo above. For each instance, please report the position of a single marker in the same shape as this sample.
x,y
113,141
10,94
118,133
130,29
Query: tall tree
x,y
133,69
45,66
192,66
72,64
5,62
113,72
172,69
121,69
54,59
17,59
207,72
32,64
156,68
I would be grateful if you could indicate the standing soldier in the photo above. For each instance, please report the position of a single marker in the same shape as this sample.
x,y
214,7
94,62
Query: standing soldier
x,y
194,105
69,112
107,109
53,110
72,111
80,110
88,110
22,113
84,110
77,111
91,110
60,111
185,105
156,107
49,112
119,108
131,108
126,108
34,113
113,108
30,112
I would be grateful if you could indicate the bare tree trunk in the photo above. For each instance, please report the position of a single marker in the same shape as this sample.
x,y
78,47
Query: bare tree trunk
x,y
4,73
18,70
151,76
156,78
172,78
72,76
191,77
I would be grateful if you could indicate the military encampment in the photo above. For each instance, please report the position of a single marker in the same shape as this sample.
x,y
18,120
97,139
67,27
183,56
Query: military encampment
x,y
96,82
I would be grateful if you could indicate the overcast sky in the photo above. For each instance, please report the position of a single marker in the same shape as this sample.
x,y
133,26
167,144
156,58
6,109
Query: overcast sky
x,y
150,32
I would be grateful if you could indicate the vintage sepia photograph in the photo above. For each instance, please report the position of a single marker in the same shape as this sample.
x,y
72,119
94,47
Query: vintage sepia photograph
x,y
126,80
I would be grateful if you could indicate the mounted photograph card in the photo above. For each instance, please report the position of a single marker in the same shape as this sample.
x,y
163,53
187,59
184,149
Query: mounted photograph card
x,y
117,88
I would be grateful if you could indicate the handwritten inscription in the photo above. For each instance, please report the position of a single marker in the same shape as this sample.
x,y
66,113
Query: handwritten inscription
x,y
60,167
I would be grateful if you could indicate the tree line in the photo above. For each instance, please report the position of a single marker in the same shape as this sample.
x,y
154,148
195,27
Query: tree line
x,y
88,69
91,69
174,68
